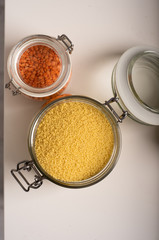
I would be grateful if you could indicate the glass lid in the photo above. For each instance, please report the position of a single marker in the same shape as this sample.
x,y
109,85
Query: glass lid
x,y
137,83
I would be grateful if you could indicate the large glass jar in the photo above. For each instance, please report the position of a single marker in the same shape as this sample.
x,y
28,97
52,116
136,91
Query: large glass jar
x,y
41,174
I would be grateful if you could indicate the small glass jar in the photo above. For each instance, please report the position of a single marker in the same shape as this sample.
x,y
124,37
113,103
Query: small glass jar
x,y
136,70
62,46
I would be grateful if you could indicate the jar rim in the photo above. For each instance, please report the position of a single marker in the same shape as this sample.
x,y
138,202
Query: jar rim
x,y
117,141
126,93
20,47
151,64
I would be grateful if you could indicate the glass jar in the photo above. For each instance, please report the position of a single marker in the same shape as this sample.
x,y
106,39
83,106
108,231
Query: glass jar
x,y
62,46
135,82
41,174
138,68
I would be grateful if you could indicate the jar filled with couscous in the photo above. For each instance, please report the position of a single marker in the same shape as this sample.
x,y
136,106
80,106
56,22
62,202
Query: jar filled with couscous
x,y
39,66
74,141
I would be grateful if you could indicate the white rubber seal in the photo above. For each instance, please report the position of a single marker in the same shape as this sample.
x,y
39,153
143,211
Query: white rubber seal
x,y
134,107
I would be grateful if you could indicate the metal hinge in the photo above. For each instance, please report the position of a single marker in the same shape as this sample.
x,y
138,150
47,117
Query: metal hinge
x,y
19,176
67,42
14,92
122,116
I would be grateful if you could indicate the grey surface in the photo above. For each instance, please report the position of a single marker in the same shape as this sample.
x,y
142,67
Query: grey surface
x,y
1,115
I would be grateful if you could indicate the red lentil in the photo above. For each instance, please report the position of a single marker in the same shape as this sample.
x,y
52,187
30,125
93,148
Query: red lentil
x,y
39,66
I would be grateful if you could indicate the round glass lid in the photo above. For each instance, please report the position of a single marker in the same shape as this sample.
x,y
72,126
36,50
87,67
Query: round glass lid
x,y
137,83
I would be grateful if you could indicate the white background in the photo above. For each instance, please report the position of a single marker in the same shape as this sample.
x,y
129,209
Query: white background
x,y
125,205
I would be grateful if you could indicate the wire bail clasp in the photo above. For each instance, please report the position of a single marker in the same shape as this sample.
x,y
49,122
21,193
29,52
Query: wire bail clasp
x,y
18,174
122,116
67,42
14,92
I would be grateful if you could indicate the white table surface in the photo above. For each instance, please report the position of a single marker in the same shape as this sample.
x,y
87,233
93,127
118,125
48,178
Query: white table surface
x,y
125,205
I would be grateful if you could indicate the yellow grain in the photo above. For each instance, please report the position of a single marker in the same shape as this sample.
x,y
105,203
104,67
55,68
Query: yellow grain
x,y
74,141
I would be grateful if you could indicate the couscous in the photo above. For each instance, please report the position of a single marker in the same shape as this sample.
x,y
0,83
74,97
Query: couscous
x,y
74,141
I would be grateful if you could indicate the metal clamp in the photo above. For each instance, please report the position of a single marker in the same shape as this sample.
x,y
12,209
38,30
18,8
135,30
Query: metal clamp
x,y
119,118
67,42
14,92
27,166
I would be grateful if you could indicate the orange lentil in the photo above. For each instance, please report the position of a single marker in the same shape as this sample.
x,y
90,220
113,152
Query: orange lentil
x,y
39,66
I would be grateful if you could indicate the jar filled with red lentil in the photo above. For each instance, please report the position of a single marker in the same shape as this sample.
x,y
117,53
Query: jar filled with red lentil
x,y
39,66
